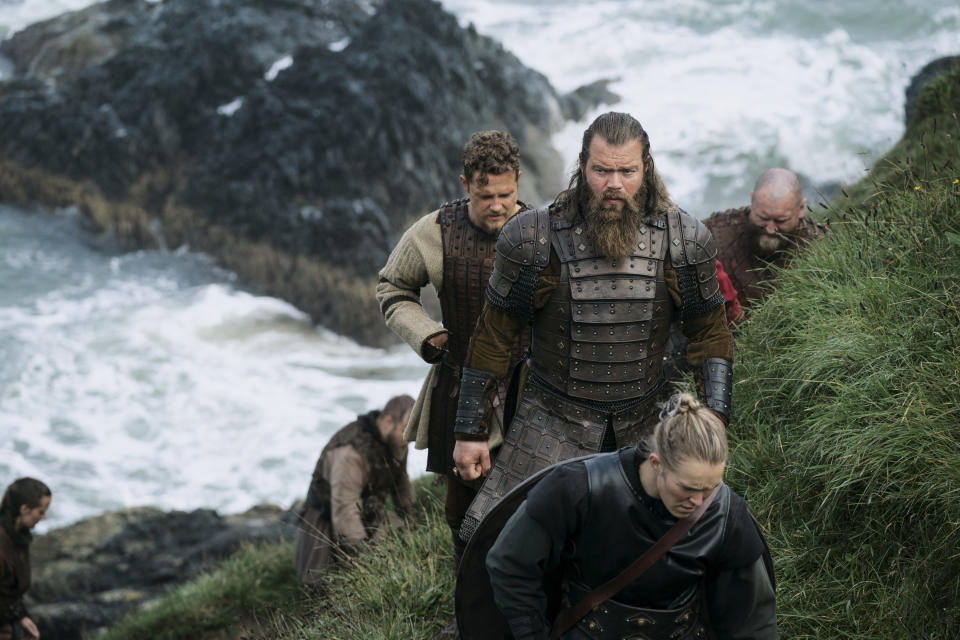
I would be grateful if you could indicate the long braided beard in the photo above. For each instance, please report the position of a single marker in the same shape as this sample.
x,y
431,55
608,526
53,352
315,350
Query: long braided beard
x,y
613,232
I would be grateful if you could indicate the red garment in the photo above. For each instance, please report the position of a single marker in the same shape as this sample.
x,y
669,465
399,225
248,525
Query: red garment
x,y
731,304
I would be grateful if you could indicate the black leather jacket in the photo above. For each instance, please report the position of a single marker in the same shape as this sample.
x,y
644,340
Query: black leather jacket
x,y
590,520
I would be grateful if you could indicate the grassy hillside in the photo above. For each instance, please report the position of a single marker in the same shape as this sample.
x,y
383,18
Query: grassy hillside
x,y
847,393
845,441
400,589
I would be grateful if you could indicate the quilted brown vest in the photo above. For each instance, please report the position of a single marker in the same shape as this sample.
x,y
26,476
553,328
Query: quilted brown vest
x,y
468,255
602,335
386,472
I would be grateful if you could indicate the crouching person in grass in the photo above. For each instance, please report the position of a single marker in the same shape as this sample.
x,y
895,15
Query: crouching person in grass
x,y
363,465
591,519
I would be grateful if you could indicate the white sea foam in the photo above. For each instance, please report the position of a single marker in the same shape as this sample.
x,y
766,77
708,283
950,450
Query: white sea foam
x,y
728,89
151,379
17,14
231,107
283,63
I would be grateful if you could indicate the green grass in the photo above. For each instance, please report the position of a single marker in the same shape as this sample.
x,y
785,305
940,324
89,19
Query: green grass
x,y
402,588
846,426
246,589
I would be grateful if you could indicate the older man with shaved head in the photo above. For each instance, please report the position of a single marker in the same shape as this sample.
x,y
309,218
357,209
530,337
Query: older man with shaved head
x,y
751,240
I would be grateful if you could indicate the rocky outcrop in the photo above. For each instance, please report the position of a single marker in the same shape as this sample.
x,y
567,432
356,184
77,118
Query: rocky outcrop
x,y
291,140
87,575
931,70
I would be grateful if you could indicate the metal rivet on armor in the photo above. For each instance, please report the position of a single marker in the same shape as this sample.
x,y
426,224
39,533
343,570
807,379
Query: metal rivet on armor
x,y
576,269
642,231
641,622
642,246
543,241
592,625
560,363
581,246
578,230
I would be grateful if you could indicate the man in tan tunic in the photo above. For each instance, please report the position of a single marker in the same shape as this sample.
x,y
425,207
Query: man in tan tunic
x,y
752,241
364,463
452,248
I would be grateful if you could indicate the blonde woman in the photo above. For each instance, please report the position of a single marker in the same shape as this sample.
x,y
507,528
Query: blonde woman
x,y
588,520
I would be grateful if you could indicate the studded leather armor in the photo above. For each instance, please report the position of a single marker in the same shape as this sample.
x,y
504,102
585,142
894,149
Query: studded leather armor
x,y
612,619
596,365
468,261
602,334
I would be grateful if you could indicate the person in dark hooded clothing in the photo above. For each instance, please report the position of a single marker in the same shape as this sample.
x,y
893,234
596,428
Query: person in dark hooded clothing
x,y
24,504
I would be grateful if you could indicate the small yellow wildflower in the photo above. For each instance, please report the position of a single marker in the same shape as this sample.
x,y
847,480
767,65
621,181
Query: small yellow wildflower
x,y
916,188
956,180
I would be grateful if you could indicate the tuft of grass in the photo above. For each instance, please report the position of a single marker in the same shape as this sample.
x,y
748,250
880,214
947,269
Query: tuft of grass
x,y
399,589
246,590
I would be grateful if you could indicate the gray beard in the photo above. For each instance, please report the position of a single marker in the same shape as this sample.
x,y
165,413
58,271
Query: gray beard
x,y
766,246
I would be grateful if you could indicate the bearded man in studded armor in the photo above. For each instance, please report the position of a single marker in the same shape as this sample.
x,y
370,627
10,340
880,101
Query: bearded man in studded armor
x,y
453,249
598,275
752,242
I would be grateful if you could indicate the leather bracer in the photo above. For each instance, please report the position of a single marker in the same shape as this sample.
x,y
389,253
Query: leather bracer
x,y
717,377
475,389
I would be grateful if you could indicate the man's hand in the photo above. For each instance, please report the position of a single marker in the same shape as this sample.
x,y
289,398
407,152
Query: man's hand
x,y
472,458
440,340
29,629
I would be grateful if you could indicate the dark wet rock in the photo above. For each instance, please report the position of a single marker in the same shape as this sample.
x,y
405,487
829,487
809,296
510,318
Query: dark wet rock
x,y
87,575
293,140
577,103
920,79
